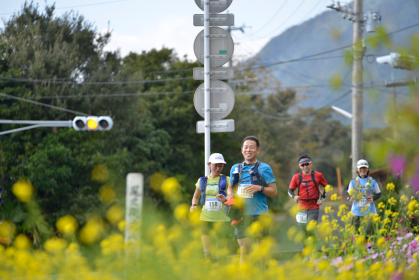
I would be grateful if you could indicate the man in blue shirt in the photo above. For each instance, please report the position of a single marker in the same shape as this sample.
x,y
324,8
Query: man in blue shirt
x,y
253,181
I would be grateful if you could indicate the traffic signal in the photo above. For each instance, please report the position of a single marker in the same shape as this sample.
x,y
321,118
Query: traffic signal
x,y
92,123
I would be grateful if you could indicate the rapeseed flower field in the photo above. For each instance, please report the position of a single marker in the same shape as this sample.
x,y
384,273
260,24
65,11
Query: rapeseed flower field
x,y
169,245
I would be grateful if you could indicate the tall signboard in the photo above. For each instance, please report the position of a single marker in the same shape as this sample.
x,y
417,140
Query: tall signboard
x,y
213,47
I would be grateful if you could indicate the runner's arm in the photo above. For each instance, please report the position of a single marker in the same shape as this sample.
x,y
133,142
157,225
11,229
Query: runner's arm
x,y
270,190
196,198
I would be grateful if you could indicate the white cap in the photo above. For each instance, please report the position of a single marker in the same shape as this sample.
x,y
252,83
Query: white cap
x,y
362,163
216,158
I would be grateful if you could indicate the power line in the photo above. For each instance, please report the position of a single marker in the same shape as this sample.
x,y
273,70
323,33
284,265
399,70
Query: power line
x,y
268,21
42,104
310,57
285,20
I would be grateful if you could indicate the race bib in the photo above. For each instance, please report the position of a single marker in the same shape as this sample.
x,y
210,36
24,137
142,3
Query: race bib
x,y
302,217
212,204
242,193
362,203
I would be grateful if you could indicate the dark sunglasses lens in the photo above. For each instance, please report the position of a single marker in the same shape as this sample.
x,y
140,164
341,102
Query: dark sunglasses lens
x,y
304,164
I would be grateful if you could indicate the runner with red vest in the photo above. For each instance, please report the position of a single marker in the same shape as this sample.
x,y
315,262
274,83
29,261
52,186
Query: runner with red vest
x,y
307,189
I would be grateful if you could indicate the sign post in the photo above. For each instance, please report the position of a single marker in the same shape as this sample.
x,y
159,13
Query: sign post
x,y
213,47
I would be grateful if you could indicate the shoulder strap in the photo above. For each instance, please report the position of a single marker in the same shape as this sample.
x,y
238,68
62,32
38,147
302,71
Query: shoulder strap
x,y
313,180
203,185
256,172
300,182
222,184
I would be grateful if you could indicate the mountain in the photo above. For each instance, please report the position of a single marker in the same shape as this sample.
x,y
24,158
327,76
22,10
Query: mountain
x,y
307,56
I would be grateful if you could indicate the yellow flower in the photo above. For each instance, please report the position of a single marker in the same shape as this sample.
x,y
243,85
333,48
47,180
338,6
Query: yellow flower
x,y
323,265
342,209
112,244
390,186
395,214
121,225
194,217
255,229
380,242
329,188
311,225
23,190
376,218
107,194
327,210
386,221
381,205
383,232
115,214
360,240
67,225
181,212
22,242
294,210
325,229
171,189
92,231
55,245
266,220
156,181
7,231
239,202
334,197
392,201
412,208
403,198
100,173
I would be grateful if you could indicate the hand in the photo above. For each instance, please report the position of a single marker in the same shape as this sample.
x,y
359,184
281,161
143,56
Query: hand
x,y
252,189
369,199
320,200
193,207
221,197
296,198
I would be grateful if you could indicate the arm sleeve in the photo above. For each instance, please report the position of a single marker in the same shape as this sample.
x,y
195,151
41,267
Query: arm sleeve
x,y
231,176
197,185
293,183
376,188
350,187
267,174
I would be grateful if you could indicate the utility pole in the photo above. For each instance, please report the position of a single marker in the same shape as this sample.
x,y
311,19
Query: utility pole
x,y
360,22
357,84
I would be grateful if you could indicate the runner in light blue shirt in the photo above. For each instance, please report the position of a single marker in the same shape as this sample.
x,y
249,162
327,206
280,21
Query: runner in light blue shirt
x,y
363,191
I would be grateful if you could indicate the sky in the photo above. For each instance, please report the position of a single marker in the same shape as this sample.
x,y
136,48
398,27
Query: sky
x,y
140,25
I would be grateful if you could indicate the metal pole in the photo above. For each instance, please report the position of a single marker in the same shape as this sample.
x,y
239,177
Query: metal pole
x,y
33,124
206,85
357,84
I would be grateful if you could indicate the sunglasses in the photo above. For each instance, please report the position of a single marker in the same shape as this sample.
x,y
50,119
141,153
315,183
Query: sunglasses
x,y
304,164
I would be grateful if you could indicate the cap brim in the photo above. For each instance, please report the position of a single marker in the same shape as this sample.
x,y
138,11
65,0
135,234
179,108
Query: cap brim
x,y
215,162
